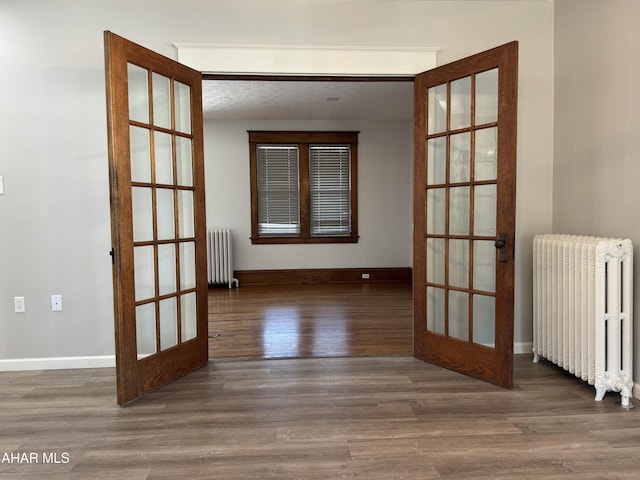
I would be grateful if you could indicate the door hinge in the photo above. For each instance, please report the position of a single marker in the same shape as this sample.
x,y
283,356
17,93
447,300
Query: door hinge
x,y
112,252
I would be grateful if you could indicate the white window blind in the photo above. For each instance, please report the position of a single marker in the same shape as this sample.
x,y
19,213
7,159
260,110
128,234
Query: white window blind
x,y
330,190
278,190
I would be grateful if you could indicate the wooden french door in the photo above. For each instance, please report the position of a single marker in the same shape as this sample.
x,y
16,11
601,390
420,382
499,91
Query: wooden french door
x,y
464,214
156,173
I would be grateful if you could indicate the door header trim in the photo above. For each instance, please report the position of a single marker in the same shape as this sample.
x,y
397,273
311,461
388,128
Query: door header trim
x,y
324,60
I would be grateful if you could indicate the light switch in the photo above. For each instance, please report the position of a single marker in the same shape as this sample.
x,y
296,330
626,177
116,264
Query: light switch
x,y
1,185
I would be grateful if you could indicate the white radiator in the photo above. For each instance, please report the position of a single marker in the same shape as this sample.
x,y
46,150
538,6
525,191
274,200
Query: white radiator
x,y
220,256
583,309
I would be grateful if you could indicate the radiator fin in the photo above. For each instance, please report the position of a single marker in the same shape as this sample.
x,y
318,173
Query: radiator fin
x,y
582,309
220,257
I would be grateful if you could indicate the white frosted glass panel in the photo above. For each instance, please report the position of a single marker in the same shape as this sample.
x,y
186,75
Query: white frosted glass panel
x,y
460,103
459,315
188,316
436,161
164,158
142,213
144,272
145,330
486,154
167,269
161,100
166,214
185,214
487,97
435,310
484,320
184,161
138,87
437,106
187,265
484,210
140,154
436,211
459,263
484,266
435,260
459,159
459,211
168,323
182,96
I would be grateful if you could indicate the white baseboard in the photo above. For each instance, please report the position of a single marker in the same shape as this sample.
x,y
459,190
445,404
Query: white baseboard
x,y
57,363
104,361
523,347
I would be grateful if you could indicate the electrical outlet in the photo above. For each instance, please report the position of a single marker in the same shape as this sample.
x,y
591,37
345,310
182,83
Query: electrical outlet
x,y
18,304
56,303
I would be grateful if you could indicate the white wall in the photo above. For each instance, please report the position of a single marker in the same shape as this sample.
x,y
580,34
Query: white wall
x,y
54,230
385,160
597,128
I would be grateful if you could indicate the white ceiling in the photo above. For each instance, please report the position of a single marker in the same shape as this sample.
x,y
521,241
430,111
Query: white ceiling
x,y
307,100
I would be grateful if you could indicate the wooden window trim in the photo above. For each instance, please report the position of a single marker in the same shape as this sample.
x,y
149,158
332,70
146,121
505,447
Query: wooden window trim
x,y
303,139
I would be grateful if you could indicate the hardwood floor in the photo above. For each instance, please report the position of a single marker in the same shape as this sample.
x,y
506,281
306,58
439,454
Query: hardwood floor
x,y
376,418
381,417
302,321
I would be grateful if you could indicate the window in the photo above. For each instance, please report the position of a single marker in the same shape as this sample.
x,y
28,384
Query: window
x,y
303,187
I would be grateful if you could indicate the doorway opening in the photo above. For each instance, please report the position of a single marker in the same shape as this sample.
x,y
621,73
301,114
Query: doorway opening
x,y
300,321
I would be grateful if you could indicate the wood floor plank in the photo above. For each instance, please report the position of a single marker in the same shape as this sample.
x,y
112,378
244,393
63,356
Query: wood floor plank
x,y
328,418
379,416
301,321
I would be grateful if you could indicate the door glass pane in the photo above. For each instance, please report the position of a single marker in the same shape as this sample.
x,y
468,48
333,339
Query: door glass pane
x,y
138,87
164,158
460,103
185,214
188,316
182,95
142,213
436,161
484,210
484,266
161,101
459,157
437,106
146,330
184,161
166,268
166,222
459,263
459,211
144,269
459,315
168,323
435,310
187,265
487,97
140,154
486,154
436,211
435,260
484,324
